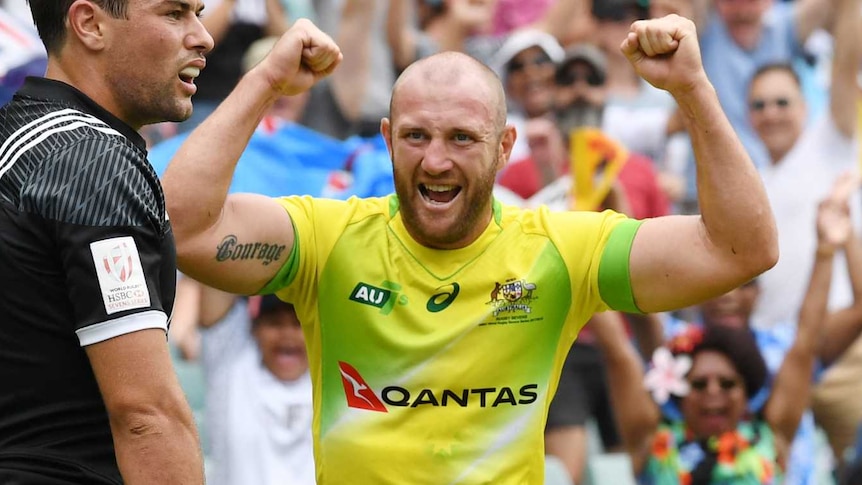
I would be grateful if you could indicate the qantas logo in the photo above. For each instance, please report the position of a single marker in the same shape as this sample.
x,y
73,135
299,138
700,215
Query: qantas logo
x,y
360,395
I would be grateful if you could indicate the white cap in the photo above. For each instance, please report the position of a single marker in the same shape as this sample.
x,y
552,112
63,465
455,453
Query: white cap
x,y
524,39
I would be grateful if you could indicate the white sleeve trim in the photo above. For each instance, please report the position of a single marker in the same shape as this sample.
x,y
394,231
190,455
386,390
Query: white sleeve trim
x,y
99,332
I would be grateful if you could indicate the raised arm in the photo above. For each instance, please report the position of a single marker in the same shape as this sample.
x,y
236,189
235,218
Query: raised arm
x,y
570,21
401,33
844,89
217,19
792,387
276,18
350,83
215,305
844,326
695,10
810,15
677,261
636,414
648,332
184,320
239,243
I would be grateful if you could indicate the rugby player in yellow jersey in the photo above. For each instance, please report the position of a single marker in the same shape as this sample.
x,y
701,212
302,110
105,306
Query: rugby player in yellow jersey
x,y
436,319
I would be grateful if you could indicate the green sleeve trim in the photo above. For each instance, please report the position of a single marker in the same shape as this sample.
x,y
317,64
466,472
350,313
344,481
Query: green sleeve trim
x,y
288,270
615,284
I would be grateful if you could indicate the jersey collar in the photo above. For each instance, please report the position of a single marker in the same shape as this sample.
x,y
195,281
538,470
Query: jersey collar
x,y
51,89
433,259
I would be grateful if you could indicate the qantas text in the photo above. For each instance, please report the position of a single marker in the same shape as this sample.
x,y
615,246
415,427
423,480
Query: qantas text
x,y
483,396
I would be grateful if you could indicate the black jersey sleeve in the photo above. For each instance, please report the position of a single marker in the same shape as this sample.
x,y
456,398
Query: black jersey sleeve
x,y
104,211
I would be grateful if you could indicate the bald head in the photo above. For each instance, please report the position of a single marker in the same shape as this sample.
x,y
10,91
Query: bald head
x,y
456,71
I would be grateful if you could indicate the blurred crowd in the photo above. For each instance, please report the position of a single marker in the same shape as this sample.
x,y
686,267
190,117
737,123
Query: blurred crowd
x,y
766,378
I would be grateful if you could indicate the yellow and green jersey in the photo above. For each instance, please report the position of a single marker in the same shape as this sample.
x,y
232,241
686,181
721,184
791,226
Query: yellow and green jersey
x,y
438,366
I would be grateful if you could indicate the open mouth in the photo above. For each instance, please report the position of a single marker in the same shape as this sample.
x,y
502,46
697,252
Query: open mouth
x,y
715,419
289,355
439,194
189,74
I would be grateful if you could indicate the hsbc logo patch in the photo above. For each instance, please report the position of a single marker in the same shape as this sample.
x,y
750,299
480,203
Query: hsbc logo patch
x,y
121,277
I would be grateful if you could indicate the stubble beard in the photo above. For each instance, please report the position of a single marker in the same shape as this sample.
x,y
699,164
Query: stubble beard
x,y
152,103
474,208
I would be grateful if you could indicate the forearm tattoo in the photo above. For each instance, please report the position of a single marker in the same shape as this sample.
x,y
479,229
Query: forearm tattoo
x,y
230,249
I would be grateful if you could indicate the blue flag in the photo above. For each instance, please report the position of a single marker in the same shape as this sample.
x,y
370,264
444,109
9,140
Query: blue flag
x,y
292,159
21,54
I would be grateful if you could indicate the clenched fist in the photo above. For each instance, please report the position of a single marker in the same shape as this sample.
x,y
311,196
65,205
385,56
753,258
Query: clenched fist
x,y
301,57
665,53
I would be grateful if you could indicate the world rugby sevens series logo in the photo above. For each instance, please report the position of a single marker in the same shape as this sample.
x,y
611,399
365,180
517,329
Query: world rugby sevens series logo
x,y
118,262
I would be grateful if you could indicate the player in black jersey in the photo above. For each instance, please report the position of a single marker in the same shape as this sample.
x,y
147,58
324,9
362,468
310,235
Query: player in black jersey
x,y
87,256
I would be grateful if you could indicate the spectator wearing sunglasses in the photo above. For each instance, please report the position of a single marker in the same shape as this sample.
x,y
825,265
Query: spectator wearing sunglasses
x,y
702,424
578,94
804,159
418,29
740,36
734,309
526,63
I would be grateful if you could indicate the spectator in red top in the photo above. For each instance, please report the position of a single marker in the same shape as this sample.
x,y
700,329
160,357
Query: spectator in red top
x,y
580,94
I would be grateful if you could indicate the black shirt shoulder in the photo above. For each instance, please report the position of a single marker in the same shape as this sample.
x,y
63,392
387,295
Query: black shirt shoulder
x,y
95,180
66,159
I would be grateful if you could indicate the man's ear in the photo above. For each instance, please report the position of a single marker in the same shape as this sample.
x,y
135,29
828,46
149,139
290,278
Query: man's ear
x,y
507,142
386,131
86,24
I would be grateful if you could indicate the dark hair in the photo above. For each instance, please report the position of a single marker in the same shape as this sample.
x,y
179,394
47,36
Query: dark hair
x,y
259,306
619,10
740,347
776,67
853,474
50,18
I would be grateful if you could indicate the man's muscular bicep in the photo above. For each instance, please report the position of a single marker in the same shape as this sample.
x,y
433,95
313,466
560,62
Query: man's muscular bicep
x,y
244,250
231,248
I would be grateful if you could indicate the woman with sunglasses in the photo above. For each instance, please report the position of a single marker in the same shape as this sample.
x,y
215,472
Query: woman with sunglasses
x,y
697,428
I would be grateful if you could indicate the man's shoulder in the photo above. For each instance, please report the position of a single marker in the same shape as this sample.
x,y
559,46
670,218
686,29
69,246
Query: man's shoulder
x,y
49,130
356,206
308,212
557,220
87,177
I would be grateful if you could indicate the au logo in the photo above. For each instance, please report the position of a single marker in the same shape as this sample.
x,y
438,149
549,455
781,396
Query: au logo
x,y
382,298
443,297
